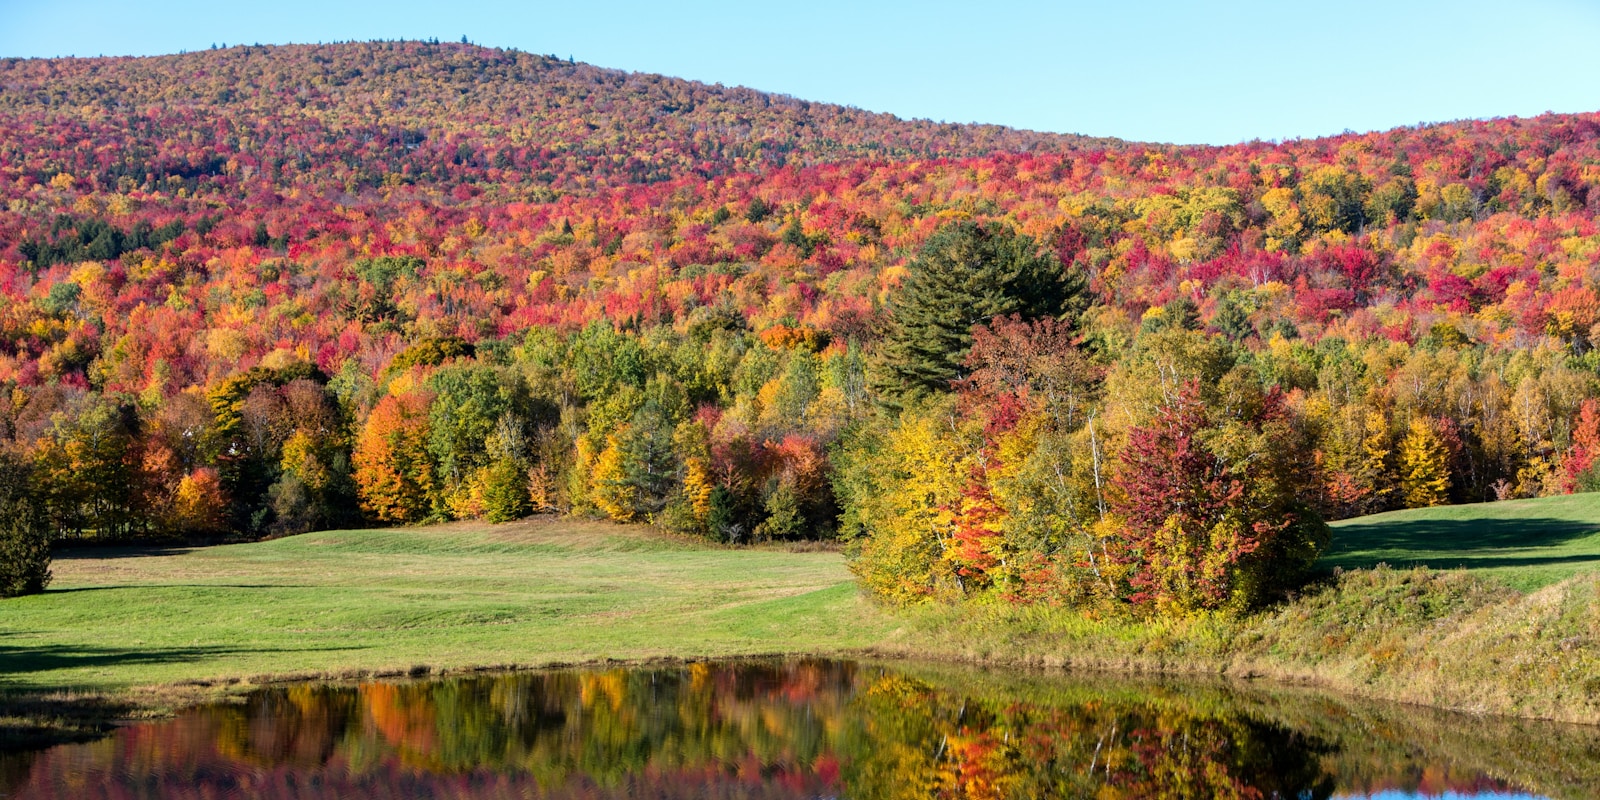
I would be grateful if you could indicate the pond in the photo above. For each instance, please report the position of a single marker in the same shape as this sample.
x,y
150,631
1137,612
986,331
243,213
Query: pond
x,y
809,729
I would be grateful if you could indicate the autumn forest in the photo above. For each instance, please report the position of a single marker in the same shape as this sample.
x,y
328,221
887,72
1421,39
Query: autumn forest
x,y
259,291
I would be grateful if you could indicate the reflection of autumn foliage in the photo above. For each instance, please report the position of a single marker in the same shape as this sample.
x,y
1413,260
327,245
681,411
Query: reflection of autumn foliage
x,y
941,745
794,730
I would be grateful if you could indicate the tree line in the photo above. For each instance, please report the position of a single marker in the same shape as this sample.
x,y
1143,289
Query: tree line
x,y
997,434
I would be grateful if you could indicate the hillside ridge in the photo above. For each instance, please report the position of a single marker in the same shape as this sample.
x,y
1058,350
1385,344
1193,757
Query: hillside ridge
x,y
420,95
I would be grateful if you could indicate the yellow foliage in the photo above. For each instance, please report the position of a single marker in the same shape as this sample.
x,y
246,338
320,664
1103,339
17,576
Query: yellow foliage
x,y
1424,474
300,460
610,490
913,524
467,501
697,486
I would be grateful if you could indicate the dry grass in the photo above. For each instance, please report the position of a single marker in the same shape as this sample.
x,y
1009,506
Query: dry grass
x,y
1449,640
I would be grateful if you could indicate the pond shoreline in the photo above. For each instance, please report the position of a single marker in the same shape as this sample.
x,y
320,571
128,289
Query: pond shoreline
x,y
32,720
215,623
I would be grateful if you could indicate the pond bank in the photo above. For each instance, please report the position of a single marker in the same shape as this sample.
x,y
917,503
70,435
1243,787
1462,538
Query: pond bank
x,y
126,634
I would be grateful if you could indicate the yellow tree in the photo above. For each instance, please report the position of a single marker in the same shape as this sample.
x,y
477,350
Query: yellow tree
x,y
916,472
1424,473
610,490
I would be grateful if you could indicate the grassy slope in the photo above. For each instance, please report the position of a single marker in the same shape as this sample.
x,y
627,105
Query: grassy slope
x,y
449,596
1525,544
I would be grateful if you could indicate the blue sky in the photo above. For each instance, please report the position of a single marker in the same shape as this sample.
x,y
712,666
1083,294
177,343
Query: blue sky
x,y
1154,70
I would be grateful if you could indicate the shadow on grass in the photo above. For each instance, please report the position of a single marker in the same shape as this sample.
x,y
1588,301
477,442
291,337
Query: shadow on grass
x,y
1450,543
101,552
15,660
33,717
146,586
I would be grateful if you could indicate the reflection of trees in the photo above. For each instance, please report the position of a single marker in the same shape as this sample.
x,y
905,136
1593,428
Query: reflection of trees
x,y
789,730
937,744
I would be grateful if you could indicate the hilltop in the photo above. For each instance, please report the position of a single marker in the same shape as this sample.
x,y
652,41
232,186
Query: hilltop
x,y
446,115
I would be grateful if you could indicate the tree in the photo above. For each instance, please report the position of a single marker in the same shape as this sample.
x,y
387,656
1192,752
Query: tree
x,y
1037,361
1210,501
24,531
89,468
1579,467
637,471
905,483
470,402
505,492
199,505
783,514
395,475
966,274
610,489
1424,466
505,481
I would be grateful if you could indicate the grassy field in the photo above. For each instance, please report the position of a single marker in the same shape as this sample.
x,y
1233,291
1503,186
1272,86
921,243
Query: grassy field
x,y
1525,544
450,596
136,630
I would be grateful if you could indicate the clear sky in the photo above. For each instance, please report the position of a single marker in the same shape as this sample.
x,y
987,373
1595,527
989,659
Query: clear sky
x,y
1160,70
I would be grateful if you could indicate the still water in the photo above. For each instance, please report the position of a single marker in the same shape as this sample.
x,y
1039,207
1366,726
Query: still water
x,y
806,729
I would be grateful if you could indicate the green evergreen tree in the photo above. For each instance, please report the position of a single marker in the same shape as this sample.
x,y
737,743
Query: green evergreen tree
x,y
722,522
24,532
967,273
648,462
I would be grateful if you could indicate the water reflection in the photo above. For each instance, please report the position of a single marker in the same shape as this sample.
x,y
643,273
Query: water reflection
x,y
798,729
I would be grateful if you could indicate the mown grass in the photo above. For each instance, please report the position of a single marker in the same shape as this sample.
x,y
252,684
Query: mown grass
x,y
1524,544
452,596
148,629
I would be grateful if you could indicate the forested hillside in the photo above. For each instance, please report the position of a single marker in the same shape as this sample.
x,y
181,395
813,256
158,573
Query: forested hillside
x,y
255,289
431,118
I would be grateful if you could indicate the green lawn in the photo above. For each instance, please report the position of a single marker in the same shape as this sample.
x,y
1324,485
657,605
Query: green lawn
x,y
447,596
133,625
1526,544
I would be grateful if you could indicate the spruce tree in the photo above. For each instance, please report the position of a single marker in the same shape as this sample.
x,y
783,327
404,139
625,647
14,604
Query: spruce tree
x,y
24,532
966,274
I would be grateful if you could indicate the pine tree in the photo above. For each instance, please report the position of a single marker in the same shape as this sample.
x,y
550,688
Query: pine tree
x,y
966,274
1424,470
24,532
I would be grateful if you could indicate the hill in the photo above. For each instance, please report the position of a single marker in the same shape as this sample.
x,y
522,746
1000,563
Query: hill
x,y
262,291
1526,544
442,115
